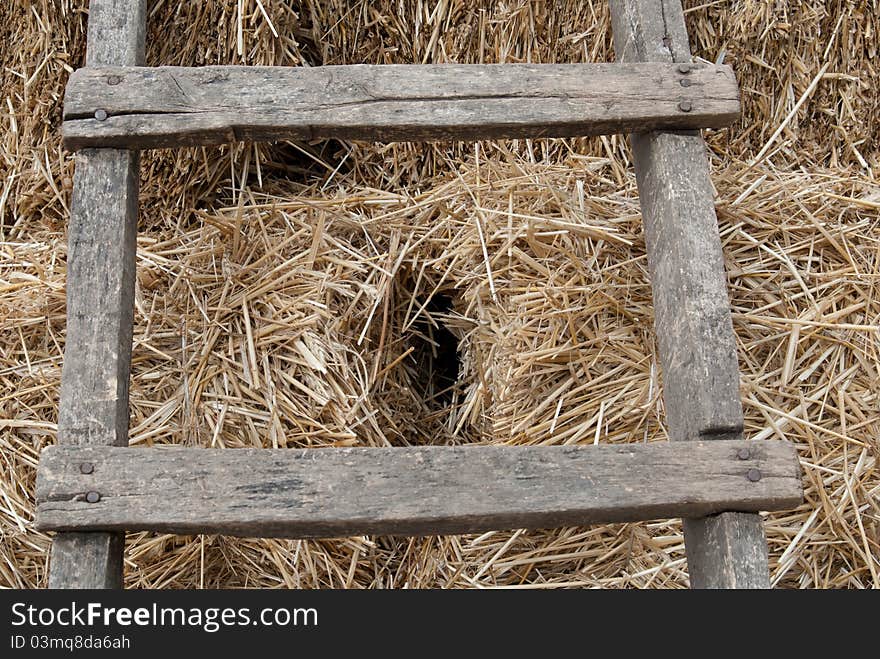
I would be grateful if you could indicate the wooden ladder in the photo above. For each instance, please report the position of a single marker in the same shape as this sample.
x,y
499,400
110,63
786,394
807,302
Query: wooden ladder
x,y
91,487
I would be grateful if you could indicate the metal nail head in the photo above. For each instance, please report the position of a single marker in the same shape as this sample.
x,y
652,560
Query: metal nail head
x,y
743,454
100,115
685,106
86,468
93,497
684,68
685,82
753,475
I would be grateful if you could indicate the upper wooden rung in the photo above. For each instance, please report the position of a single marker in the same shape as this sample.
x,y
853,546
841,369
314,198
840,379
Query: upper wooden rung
x,y
139,108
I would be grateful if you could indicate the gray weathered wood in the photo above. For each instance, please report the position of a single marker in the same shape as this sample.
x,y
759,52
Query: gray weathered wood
x,y
729,552
100,289
691,307
87,560
417,491
117,33
174,106
100,292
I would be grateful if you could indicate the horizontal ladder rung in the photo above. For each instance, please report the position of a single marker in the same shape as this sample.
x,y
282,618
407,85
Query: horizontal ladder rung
x,y
310,493
140,108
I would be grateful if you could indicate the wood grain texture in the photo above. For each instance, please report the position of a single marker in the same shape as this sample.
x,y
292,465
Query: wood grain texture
x,y
732,551
100,300
691,306
87,560
308,493
173,106
116,33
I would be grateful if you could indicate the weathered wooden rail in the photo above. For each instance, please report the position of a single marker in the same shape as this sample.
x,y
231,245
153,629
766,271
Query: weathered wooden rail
x,y
91,488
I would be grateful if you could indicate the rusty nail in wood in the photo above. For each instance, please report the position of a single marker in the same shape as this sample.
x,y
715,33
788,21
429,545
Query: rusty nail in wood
x,y
100,115
685,82
685,106
114,80
743,454
93,497
753,475
86,468
684,68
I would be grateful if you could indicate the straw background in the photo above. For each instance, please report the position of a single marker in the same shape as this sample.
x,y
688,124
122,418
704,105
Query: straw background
x,y
288,295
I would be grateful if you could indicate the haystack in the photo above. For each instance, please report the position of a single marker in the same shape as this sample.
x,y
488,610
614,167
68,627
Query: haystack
x,y
341,294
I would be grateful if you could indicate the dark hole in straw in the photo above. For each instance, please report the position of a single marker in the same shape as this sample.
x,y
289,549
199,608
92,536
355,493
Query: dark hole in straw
x,y
307,161
435,353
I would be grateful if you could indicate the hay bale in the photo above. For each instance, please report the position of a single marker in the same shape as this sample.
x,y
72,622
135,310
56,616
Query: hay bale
x,y
336,294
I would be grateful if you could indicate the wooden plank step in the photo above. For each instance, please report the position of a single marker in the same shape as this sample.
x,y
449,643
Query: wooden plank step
x,y
306,493
140,108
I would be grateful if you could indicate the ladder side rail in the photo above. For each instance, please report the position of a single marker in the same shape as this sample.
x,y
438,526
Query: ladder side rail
x,y
100,300
691,306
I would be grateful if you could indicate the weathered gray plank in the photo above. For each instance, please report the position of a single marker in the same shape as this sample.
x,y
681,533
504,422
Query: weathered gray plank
x,y
100,292
730,554
174,106
415,491
117,32
100,289
87,560
691,306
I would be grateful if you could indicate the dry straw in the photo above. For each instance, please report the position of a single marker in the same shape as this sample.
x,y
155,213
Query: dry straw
x,y
305,295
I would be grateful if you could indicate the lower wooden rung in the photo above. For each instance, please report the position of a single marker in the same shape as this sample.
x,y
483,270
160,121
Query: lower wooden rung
x,y
313,493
